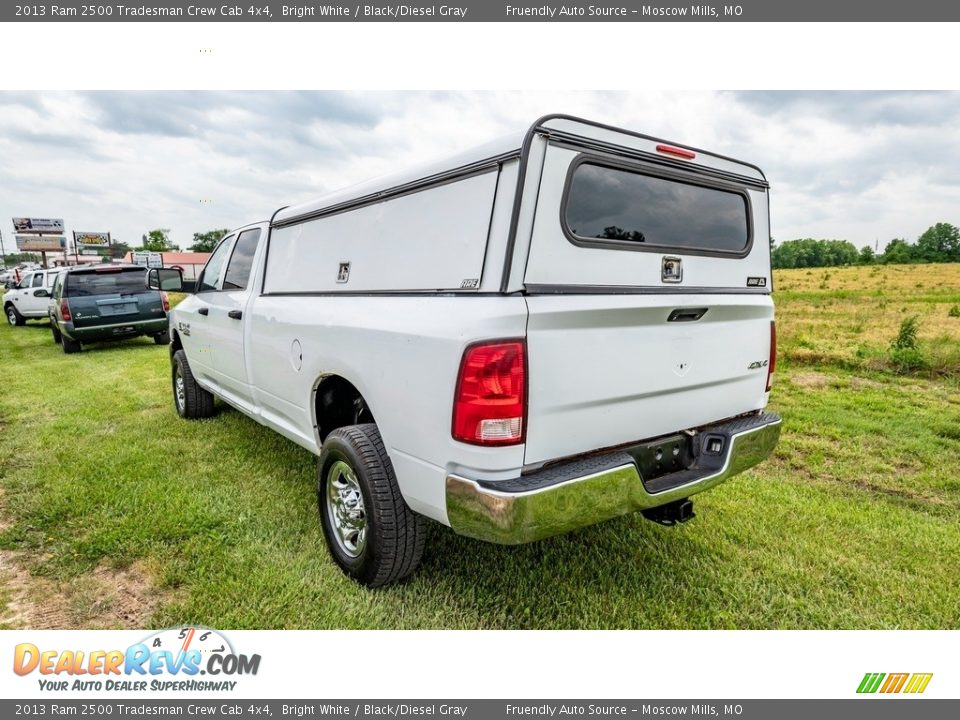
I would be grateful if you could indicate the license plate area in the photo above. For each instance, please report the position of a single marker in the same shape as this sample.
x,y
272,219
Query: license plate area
x,y
663,456
118,309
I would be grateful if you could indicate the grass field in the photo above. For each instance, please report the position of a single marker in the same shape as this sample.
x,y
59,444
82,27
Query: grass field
x,y
114,513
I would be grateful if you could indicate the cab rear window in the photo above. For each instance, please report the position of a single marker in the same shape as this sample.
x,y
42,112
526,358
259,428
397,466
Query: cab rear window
x,y
619,206
107,282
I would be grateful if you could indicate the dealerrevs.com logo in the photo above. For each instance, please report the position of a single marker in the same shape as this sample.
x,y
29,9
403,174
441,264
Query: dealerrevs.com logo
x,y
180,659
911,683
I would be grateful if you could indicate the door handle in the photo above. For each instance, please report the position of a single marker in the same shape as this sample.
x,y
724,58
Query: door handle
x,y
204,311
687,314
235,314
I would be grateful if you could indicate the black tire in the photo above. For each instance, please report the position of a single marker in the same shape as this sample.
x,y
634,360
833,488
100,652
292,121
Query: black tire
x,y
70,346
13,316
163,338
394,535
57,337
194,402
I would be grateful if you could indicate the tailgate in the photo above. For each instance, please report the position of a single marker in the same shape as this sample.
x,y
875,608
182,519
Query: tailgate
x,y
647,282
606,370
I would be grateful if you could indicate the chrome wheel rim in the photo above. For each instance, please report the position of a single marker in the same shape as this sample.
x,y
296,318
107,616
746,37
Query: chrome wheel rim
x,y
12,316
179,393
345,510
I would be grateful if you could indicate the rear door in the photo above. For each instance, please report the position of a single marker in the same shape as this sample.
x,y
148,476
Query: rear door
x,y
647,282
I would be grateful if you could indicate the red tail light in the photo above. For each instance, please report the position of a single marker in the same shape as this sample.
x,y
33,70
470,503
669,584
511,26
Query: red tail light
x,y
489,405
166,301
772,361
65,311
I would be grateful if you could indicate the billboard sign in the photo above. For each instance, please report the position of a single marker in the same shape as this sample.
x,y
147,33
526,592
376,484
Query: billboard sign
x,y
91,239
38,225
35,243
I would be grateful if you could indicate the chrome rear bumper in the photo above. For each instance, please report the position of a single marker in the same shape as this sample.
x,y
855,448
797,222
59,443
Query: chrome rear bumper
x,y
584,492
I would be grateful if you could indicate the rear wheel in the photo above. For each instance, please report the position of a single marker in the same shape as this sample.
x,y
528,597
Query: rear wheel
x,y
70,346
163,338
13,316
371,533
191,400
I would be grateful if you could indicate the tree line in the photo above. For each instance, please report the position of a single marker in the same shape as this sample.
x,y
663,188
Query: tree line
x,y
939,243
159,240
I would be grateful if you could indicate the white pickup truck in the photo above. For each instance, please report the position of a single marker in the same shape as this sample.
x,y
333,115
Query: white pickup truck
x,y
545,332
29,299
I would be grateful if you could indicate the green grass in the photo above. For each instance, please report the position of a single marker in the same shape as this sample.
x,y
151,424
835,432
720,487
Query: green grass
x,y
852,525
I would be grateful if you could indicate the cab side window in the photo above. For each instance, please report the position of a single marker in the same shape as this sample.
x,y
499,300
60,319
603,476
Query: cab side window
x,y
38,280
241,262
210,279
25,281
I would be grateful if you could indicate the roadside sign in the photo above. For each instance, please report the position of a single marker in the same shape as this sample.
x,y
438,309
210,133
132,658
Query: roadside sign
x,y
91,239
37,225
35,243
148,259
89,251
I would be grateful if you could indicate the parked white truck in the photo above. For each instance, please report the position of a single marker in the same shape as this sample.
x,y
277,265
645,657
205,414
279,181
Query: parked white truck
x,y
540,334
29,299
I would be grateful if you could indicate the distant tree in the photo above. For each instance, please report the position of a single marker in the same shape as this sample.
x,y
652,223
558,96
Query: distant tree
x,y
17,258
867,255
118,249
898,252
940,243
613,232
158,241
809,252
207,241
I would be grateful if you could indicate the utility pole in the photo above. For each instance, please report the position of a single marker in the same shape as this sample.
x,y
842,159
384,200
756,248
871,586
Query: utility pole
x,y
3,253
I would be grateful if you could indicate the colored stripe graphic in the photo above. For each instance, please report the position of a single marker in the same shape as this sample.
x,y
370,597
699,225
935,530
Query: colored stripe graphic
x,y
870,682
918,683
894,683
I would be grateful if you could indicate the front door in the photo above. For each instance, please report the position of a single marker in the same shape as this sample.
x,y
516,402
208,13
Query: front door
x,y
225,322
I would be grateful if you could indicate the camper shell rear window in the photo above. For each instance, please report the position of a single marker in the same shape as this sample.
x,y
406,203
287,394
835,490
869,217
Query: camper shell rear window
x,y
632,207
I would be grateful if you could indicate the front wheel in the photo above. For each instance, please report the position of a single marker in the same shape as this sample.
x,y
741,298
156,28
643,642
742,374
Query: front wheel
x,y
191,400
14,317
371,533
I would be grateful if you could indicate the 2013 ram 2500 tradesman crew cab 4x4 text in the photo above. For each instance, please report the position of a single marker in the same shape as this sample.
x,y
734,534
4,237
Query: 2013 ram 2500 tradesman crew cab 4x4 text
x,y
545,332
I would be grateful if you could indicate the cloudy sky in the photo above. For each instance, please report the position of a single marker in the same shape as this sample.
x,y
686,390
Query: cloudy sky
x,y
862,166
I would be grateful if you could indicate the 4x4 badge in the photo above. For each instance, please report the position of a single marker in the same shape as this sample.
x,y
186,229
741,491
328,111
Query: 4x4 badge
x,y
671,270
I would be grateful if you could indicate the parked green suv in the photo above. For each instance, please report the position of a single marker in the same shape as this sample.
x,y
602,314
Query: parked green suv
x,y
106,302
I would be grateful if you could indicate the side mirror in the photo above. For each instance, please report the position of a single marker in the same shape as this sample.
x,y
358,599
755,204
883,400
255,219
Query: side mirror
x,y
169,279
41,293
